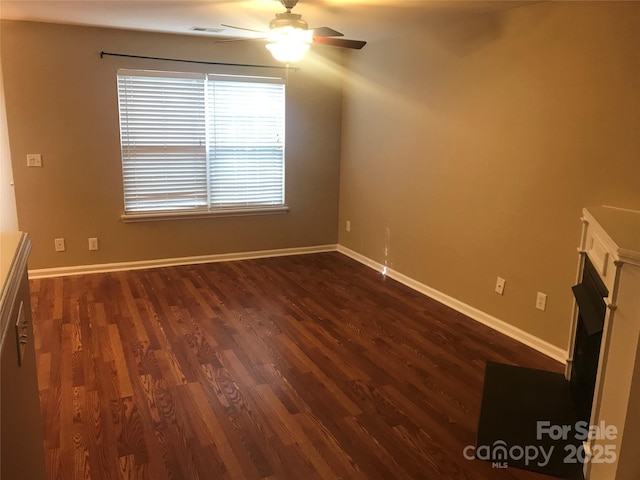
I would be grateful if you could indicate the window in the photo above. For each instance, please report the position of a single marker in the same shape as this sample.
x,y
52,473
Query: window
x,y
196,143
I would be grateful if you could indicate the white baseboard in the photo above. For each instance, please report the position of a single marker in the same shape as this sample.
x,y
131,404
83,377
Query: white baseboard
x,y
472,312
520,335
169,262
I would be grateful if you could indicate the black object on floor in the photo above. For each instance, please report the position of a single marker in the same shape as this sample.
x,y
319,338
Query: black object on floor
x,y
527,421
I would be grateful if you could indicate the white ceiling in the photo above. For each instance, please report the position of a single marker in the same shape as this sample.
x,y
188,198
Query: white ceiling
x,y
357,19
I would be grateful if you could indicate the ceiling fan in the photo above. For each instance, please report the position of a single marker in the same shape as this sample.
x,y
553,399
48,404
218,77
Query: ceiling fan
x,y
289,36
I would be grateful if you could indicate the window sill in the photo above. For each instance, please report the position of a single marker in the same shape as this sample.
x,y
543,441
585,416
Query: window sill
x,y
235,212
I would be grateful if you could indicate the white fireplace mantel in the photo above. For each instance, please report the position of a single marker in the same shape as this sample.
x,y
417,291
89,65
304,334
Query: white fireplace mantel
x,y
611,240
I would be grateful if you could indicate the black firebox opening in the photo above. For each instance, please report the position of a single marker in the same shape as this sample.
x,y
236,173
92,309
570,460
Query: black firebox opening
x,y
589,296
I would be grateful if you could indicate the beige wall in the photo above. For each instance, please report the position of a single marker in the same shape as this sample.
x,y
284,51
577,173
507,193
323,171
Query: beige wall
x,y
8,212
470,147
61,103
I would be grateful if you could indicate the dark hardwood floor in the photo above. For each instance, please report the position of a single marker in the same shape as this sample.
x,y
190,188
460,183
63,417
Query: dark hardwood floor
x,y
297,367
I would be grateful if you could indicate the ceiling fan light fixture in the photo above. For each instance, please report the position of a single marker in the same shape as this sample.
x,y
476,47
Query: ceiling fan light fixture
x,y
288,52
288,43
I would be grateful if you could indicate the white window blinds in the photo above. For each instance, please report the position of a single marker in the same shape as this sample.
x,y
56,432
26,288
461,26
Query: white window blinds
x,y
246,138
192,142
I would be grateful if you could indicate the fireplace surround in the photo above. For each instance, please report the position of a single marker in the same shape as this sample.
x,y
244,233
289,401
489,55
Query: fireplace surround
x,y
609,259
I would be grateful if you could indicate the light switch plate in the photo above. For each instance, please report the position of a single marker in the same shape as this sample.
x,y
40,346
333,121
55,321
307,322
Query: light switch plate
x,y
541,301
34,160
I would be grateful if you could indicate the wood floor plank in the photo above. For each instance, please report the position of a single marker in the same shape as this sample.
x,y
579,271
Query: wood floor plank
x,y
301,367
213,432
122,372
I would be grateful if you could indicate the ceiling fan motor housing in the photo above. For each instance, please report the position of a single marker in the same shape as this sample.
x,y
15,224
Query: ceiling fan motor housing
x,y
289,4
288,19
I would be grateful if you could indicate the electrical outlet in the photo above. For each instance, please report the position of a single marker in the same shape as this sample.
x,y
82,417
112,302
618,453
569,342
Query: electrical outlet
x,y
93,244
34,160
348,226
59,244
500,285
541,301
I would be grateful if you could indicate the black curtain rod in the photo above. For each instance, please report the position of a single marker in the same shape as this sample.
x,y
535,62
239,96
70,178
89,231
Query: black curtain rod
x,y
110,54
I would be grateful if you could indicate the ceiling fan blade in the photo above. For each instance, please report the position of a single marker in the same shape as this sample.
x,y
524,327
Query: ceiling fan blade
x,y
340,42
229,40
326,32
242,28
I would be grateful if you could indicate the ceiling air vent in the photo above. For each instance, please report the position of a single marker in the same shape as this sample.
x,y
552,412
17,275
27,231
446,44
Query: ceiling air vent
x,y
207,29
